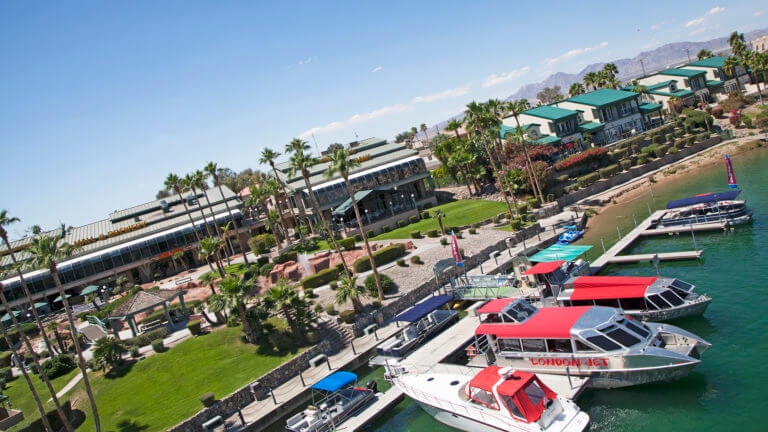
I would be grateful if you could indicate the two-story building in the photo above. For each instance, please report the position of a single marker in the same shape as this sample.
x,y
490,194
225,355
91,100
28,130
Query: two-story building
x,y
718,80
549,124
688,85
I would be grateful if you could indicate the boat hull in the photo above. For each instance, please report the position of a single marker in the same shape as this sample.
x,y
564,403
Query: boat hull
x,y
688,310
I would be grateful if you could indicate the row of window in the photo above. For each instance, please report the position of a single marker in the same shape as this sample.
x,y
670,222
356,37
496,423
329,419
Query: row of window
x,y
653,302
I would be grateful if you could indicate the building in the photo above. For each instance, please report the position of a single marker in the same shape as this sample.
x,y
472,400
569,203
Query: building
x,y
688,85
137,242
759,45
718,80
393,179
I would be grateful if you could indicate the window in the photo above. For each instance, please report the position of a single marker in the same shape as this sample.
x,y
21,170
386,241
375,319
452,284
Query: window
x,y
656,300
534,345
483,397
603,343
535,393
559,345
637,303
623,337
583,302
671,298
607,302
582,347
510,404
637,329
507,344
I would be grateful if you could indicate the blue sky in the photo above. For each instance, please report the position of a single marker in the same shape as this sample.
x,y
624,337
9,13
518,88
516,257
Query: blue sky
x,y
102,99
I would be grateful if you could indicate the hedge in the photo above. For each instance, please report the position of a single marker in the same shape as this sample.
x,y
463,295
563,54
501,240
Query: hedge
x,y
262,260
413,219
266,269
658,139
147,338
702,136
609,171
383,256
358,237
625,164
370,234
661,151
643,159
415,234
158,347
387,285
194,327
386,228
561,179
586,157
347,243
619,154
322,277
285,257
432,233
207,399
516,224
402,223
59,365
588,179
348,316
425,215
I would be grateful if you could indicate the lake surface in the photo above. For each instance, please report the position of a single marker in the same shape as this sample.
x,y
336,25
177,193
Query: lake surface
x,y
727,391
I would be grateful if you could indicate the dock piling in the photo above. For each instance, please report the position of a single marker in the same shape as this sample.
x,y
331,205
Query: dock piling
x,y
694,238
603,244
618,231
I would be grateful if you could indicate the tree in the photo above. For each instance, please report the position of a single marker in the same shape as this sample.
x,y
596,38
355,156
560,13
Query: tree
x,y
730,66
737,43
283,298
439,214
576,89
108,350
45,251
162,193
302,162
212,169
759,64
225,230
342,164
200,178
591,79
189,182
515,108
236,294
53,327
208,278
549,95
274,190
610,70
423,129
268,157
641,89
348,290
217,303
174,183
260,193
704,54
209,251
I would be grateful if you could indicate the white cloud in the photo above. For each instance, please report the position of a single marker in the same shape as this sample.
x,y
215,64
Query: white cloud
x,y
695,21
716,9
492,80
700,20
447,94
307,60
376,69
573,53
357,118
656,26
757,14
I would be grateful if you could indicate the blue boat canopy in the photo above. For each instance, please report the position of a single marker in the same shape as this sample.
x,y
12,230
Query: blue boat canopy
x,y
560,252
423,309
704,198
335,381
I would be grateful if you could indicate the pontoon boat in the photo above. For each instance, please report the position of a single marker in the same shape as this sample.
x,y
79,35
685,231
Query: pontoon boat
x,y
706,208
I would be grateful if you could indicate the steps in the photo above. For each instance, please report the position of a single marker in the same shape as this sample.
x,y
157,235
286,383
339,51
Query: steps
x,y
337,334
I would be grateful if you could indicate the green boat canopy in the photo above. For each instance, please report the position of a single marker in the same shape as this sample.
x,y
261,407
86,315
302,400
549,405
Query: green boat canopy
x,y
90,289
560,252
59,298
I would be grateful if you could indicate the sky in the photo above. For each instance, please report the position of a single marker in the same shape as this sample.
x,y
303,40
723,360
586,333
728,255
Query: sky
x,y
101,100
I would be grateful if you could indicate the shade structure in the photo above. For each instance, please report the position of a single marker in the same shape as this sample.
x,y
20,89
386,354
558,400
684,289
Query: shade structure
x,y
544,267
346,205
335,381
40,304
560,252
90,289
423,309
58,299
7,317
495,305
609,287
704,198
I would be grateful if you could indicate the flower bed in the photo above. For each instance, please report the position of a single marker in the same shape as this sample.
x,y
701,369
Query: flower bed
x,y
583,158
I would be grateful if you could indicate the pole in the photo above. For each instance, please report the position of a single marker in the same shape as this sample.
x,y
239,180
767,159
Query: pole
x,y
271,393
694,238
688,53
650,184
649,208
328,362
643,66
602,243
618,231
634,218
301,377
352,344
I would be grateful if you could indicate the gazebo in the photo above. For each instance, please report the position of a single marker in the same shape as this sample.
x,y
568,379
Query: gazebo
x,y
143,301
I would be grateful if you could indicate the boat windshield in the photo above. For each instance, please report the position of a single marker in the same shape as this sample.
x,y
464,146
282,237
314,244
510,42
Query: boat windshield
x,y
511,406
520,310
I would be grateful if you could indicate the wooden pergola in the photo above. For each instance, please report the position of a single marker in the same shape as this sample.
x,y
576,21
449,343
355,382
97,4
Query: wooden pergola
x,y
143,301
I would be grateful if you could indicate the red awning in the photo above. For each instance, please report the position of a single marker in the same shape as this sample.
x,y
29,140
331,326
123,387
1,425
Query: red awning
x,y
495,305
546,323
544,267
619,292
511,386
486,379
611,281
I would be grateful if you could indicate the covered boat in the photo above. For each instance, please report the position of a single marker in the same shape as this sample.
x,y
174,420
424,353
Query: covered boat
x,y
571,234
338,400
591,341
493,399
706,208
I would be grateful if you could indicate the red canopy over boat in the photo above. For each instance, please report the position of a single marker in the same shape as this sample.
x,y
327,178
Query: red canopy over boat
x,y
610,287
544,268
514,386
495,305
553,322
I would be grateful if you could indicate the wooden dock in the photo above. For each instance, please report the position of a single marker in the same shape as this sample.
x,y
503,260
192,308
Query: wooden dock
x,y
663,256
381,405
714,226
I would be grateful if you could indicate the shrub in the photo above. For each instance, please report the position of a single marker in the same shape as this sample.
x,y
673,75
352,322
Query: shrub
x,y
522,208
147,338
370,234
586,157
515,224
266,269
330,310
561,178
670,138
59,365
358,237
309,293
533,202
472,231
635,148
282,340
443,241
194,327
609,171
625,164
400,262
313,336
376,304
761,123
413,219
657,139
386,228
497,219
318,308
334,285
252,272
679,133
588,179
402,223
672,150
415,234
717,112
135,352
689,140
321,278
285,257
416,260
702,136
432,233
425,215
661,151
207,399
347,316
347,243
387,285
6,373
679,144
388,254
157,346
262,243
643,159
233,320
5,359
619,154
459,235
262,260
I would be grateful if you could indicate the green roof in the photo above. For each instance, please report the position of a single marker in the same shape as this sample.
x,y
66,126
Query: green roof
x,y
682,72
659,85
504,129
591,126
712,62
346,205
551,112
602,97
560,252
649,107
714,83
679,93
547,139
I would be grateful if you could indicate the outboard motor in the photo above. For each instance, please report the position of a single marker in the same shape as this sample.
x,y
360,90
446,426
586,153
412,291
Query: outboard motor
x,y
372,385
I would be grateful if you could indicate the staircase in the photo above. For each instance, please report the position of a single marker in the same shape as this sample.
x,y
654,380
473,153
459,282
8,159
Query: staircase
x,y
338,335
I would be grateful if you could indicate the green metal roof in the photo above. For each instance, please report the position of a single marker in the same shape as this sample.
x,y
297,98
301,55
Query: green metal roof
x,y
714,83
679,93
590,126
712,62
659,85
547,139
682,72
504,129
649,107
346,205
551,112
602,97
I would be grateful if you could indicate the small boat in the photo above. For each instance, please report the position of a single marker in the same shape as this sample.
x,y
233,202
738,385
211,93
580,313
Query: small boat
x,y
425,321
571,235
706,208
338,401
598,342
493,399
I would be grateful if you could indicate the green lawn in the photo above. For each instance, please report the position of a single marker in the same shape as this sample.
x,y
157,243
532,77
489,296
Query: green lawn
x,y
457,213
21,398
159,392
232,270
508,227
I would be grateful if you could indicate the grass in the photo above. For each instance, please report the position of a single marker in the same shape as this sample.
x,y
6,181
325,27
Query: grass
x,y
457,213
508,227
159,392
232,270
21,398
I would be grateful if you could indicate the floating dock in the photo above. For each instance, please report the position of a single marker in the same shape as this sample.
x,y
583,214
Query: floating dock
x,y
714,226
662,256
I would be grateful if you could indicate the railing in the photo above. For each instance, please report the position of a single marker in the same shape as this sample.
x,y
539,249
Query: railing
x,y
699,219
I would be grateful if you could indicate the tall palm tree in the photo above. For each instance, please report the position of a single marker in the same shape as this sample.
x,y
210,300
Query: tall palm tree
x,y
302,162
453,126
737,43
210,247
294,146
236,294
591,79
439,215
704,54
199,177
576,89
515,108
189,182
610,70
642,90
212,169
423,129
349,290
268,157
174,183
209,278
53,327
260,193
274,190
342,164
759,63
730,66
225,230
217,303
45,252
283,296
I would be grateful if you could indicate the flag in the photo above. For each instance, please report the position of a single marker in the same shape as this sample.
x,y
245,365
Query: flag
x,y
731,176
455,251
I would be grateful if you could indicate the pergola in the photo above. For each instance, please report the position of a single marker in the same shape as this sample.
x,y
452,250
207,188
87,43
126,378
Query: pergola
x,y
143,301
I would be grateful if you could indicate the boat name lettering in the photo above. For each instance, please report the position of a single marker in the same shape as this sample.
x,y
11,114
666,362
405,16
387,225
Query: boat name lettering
x,y
588,362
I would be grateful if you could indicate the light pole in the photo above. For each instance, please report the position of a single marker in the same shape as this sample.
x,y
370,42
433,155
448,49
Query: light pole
x,y
413,198
391,209
367,217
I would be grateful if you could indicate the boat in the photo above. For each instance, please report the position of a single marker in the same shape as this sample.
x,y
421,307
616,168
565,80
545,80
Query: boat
x,y
425,320
570,235
598,342
643,298
491,400
338,400
720,207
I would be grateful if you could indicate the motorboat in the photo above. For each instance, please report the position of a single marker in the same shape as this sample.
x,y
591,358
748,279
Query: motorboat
x,y
643,298
705,208
549,274
425,320
570,235
338,400
598,342
492,399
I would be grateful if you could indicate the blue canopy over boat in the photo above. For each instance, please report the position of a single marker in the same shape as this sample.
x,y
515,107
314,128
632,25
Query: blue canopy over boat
x,y
335,381
423,309
704,198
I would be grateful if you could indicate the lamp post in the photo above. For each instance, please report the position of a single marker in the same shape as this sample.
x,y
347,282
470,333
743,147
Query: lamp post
x,y
413,198
391,209
367,217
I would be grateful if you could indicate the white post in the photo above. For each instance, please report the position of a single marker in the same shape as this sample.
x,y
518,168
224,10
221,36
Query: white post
x,y
694,238
618,231
602,243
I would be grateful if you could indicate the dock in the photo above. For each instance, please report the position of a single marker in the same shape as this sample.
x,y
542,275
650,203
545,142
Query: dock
x,y
662,256
714,226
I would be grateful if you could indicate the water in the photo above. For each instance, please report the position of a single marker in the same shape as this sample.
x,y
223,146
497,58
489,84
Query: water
x,y
727,390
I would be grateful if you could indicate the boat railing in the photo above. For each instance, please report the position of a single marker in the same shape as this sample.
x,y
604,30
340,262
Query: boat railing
x,y
699,219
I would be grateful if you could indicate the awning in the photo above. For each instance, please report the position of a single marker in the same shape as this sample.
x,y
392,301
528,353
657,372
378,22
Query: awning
x,y
346,205
714,83
546,140
41,304
335,381
544,267
7,317
704,198
649,107
495,305
423,309
504,129
591,127
89,290
58,299
560,252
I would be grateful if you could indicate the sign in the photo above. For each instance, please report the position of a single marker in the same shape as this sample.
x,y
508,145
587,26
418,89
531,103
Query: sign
x,y
731,176
455,251
570,362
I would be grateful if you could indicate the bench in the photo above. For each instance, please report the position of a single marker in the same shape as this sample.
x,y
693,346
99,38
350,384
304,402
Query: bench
x,y
212,423
370,329
318,360
150,325
183,280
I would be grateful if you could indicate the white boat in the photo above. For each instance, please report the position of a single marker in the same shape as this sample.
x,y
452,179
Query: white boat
x,y
601,343
491,400
706,208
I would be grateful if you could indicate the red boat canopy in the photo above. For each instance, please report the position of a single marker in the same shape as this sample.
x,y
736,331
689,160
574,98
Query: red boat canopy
x,y
544,268
495,305
546,323
512,386
486,379
611,281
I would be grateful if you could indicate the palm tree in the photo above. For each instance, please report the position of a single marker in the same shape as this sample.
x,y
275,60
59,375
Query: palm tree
x,y
208,278
259,193
641,89
704,54
199,178
591,79
515,108
576,89
44,253
108,350
302,162
283,296
189,182
737,43
423,129
349,290
730,66
236,294
225,230
53,327
453,126
439,214
174,183
274,188
213,171
610,70
217,303
209,250
268,157
759,63
341,163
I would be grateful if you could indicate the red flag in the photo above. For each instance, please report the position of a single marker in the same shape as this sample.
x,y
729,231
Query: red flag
x,y
455,250
731,176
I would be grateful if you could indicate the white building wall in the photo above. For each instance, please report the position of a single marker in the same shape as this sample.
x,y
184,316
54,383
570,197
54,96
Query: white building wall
x,y
586,110
711,72
544,124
